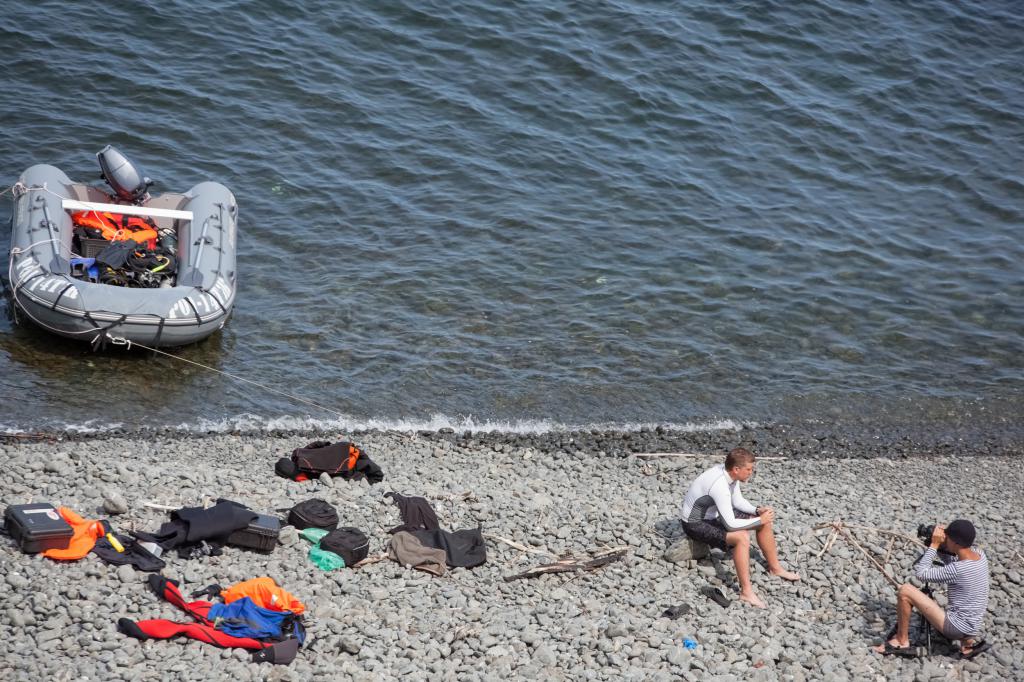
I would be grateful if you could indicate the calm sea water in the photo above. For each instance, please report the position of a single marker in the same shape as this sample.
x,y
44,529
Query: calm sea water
x,y
531,214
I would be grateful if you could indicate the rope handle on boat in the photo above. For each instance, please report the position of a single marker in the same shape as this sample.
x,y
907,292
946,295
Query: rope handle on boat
x,y
122,341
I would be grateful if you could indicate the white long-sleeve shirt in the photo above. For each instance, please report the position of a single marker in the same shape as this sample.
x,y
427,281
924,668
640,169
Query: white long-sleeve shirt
x,y
714,494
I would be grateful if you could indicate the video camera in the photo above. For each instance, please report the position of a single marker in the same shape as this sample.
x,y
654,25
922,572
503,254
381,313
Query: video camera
x,y
924,532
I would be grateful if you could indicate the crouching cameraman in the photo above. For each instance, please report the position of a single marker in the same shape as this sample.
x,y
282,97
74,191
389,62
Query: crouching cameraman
x,y
965,571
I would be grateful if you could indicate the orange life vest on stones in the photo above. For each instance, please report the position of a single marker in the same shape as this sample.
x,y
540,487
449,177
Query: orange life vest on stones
x,y
87,532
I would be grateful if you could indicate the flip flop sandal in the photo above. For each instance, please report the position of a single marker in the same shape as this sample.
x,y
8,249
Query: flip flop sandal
x,y
676,611
901,651
979,647
715,595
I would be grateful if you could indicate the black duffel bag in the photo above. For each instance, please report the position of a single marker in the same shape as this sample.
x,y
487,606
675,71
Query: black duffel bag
x,y
348,543
315,513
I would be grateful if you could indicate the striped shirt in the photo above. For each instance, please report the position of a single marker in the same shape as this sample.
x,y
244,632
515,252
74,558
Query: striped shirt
x,y
968,587
714,494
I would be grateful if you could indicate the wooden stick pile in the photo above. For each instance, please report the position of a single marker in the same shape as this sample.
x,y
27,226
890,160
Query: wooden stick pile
x,y
841,529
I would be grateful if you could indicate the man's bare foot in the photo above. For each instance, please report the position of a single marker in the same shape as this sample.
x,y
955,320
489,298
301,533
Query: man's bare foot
x,y
753,600
786,575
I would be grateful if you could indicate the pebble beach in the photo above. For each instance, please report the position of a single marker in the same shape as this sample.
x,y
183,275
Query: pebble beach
x,y
536,497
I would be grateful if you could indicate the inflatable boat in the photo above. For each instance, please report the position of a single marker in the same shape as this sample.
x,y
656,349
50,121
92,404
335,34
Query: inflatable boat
x,y
121,266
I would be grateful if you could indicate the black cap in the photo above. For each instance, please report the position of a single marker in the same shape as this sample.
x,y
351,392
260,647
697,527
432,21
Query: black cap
x,y
961,532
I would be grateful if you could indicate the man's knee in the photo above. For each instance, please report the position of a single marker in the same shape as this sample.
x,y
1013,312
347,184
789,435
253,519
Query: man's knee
x,y
906,591
739,538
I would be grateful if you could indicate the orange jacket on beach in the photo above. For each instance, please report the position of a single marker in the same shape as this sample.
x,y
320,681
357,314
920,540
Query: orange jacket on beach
x,y
263,592
87,532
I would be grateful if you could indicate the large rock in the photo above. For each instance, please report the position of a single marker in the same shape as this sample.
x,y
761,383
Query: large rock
x,y
685,550
114,503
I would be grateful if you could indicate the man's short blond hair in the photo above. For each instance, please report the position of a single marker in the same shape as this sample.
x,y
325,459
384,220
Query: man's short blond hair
x,y
739,457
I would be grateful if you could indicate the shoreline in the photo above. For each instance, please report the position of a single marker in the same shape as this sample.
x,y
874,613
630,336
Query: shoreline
x,y
558,493
796,440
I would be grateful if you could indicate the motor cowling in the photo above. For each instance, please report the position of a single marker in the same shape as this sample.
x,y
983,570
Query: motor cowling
x,y
127,180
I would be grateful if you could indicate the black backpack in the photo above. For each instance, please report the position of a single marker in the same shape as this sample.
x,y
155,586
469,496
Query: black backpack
x,y
348,543
315,513
334,459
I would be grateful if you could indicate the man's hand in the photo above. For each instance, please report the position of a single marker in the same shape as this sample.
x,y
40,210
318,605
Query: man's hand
x,y
761,510
767,515
938,536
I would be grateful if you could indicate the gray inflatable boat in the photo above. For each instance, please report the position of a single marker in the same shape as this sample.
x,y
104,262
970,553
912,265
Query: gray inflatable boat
x,y
178,298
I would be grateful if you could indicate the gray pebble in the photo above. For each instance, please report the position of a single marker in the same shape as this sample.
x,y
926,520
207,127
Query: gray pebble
x,y
616,630
114,503
17,581
288,536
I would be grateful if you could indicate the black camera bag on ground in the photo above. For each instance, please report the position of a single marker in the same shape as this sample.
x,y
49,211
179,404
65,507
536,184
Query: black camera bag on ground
x,y
348,543
314,513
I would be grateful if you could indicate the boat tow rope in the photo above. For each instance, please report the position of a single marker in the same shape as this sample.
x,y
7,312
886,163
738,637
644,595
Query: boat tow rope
x,y
18,188
127,343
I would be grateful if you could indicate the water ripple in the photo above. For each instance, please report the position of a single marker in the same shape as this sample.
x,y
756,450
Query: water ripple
x,y
619,212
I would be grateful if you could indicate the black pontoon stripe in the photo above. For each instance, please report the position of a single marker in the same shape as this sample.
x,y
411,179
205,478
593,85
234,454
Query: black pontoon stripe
x,y
159,332
60,295
199,320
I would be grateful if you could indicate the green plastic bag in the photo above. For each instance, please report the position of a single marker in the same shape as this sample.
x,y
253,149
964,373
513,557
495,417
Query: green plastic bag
x,y
321,558
327,561
314,535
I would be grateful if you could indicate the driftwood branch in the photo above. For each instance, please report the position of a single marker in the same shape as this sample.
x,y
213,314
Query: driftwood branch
x,y
840,528
520,547
468,496
27,437
873,560
828,543
888,550
651,455
569,564
881,531
160,507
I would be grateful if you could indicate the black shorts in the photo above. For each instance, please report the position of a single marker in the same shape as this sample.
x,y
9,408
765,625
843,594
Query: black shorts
x,y
712,532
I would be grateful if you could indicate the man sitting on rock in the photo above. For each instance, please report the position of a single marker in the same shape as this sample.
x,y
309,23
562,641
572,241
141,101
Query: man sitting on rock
x,y
715,513
965,570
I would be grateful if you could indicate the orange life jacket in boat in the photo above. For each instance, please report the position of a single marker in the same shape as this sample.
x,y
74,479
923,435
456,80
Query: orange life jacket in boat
x,y
118,226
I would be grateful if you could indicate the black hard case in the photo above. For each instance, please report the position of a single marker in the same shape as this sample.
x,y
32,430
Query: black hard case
x,y
260,535
37,527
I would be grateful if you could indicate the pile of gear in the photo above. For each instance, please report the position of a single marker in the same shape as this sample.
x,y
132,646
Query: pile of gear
x,y
122,250
256,614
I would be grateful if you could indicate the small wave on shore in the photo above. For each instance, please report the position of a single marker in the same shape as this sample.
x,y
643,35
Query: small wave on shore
x,y
253,423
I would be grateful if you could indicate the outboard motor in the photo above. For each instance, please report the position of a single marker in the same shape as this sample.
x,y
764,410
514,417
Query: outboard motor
x,y
125,178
